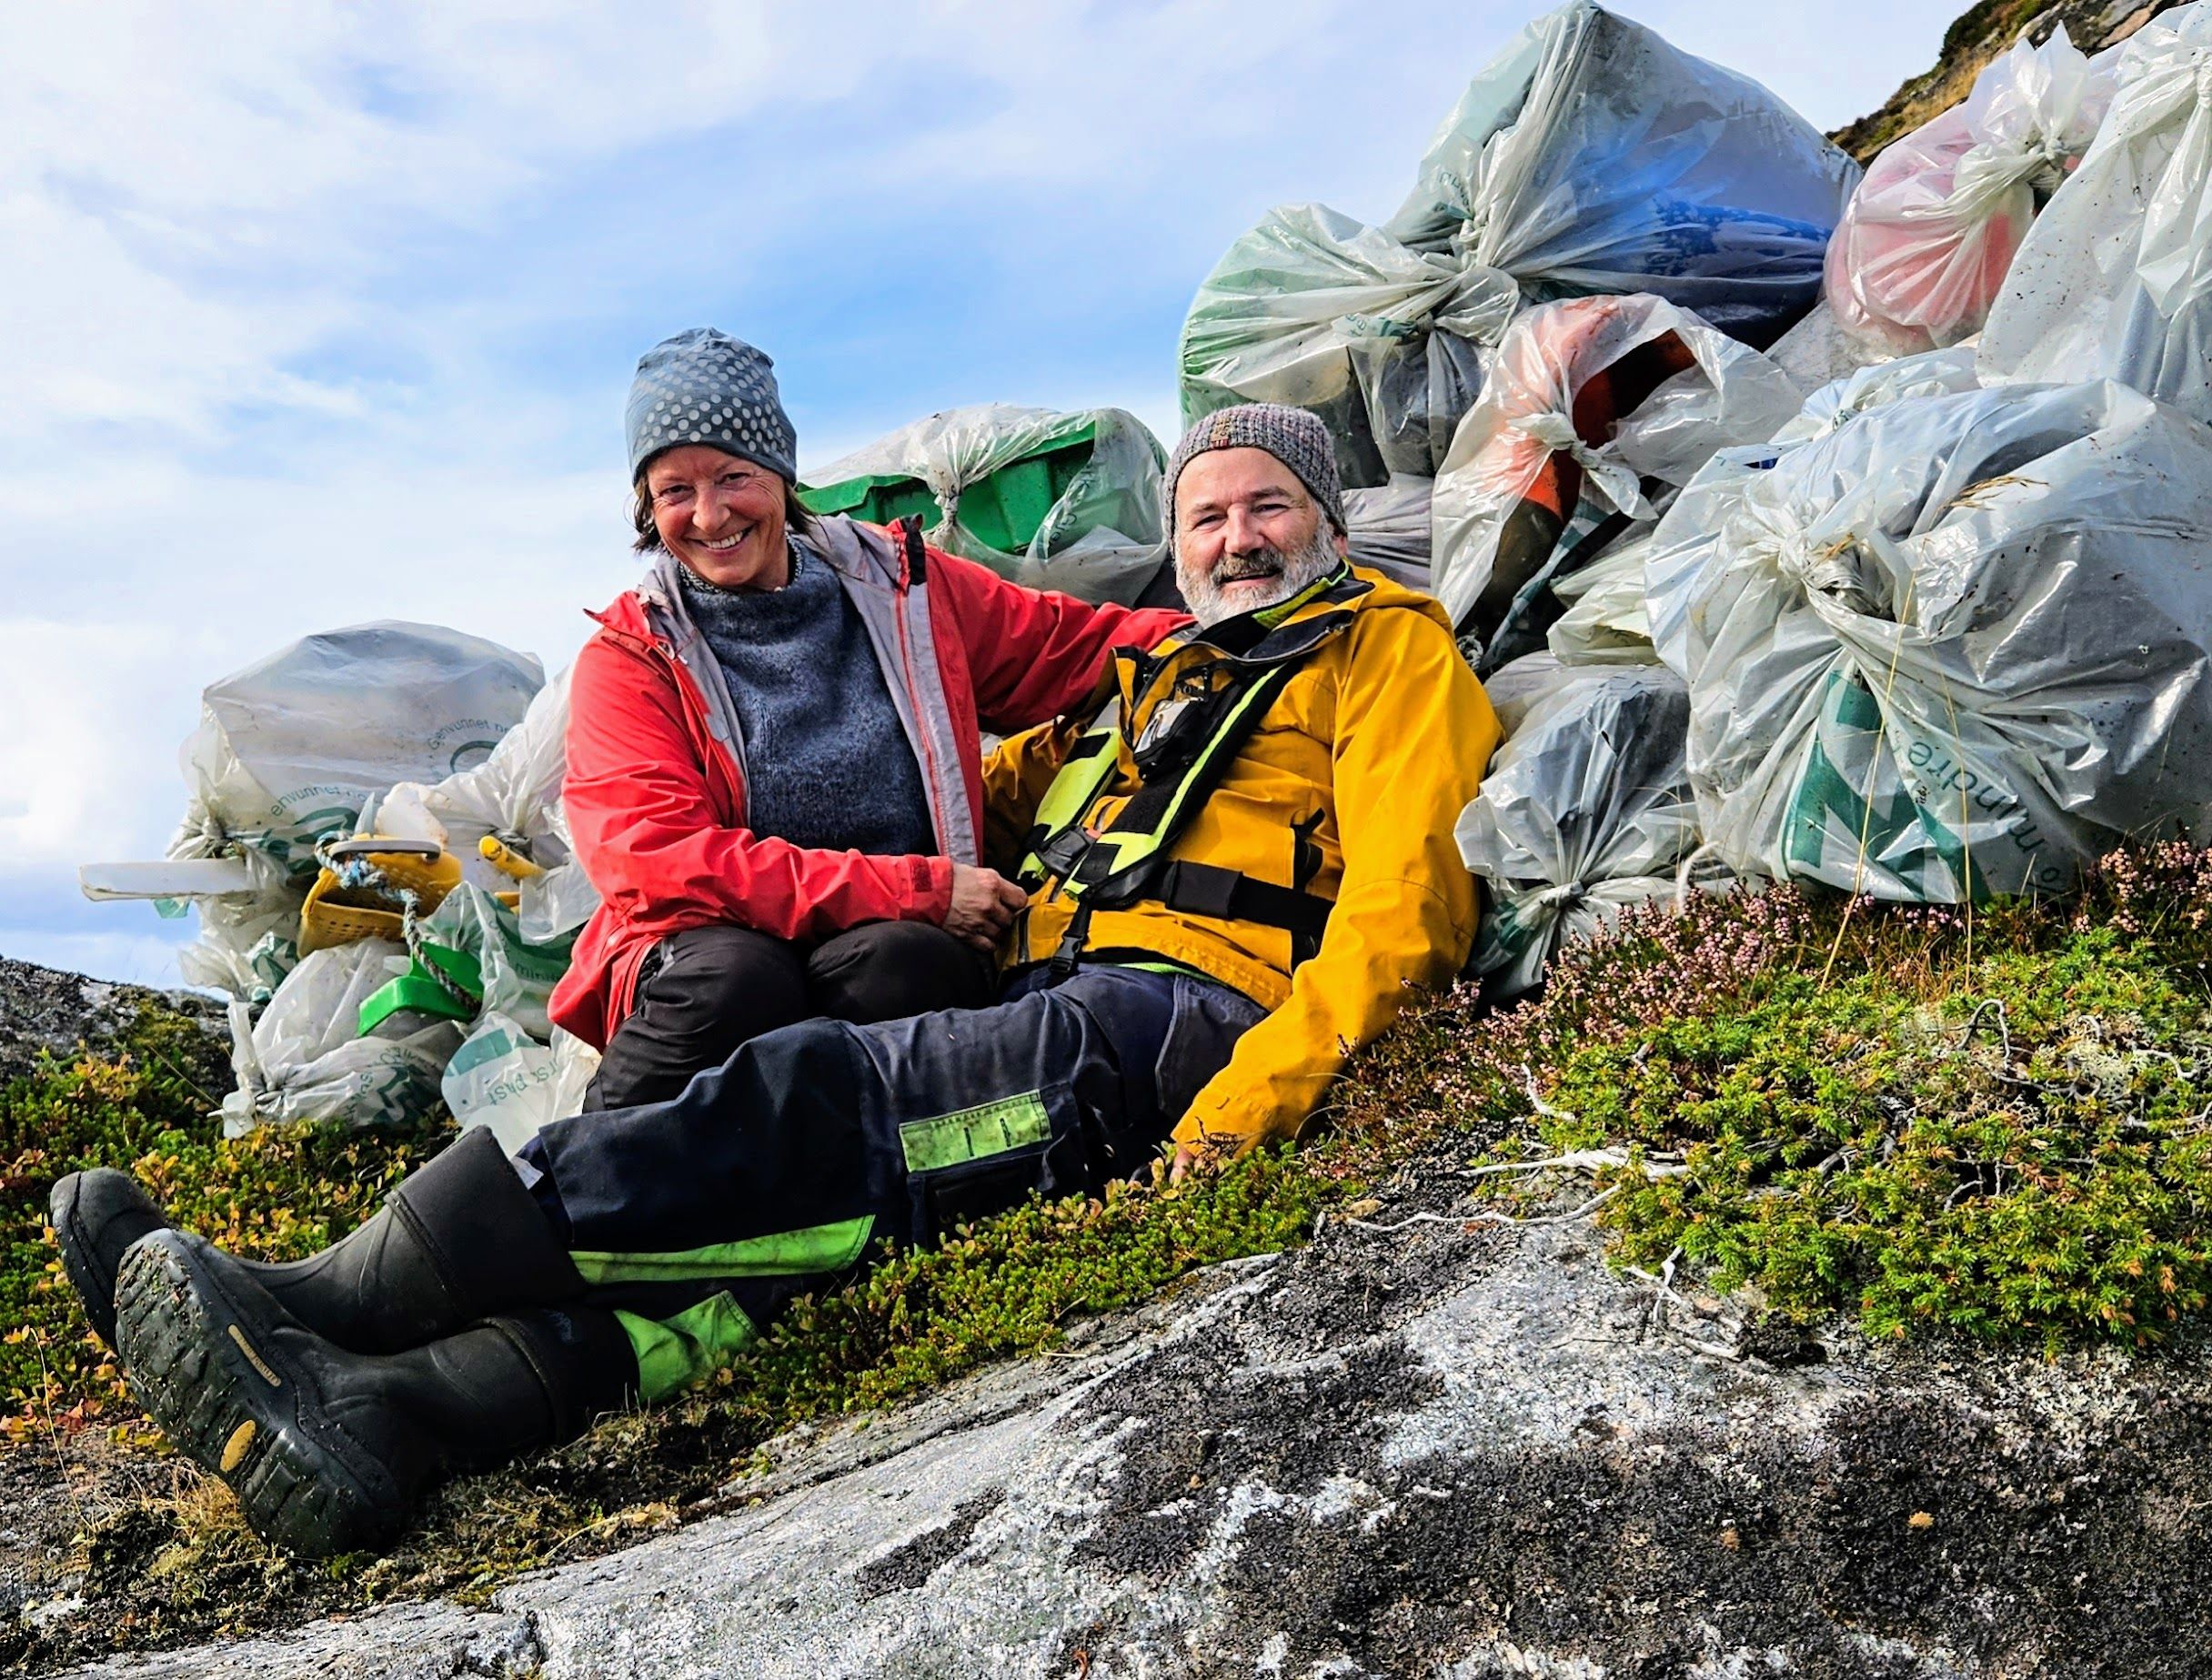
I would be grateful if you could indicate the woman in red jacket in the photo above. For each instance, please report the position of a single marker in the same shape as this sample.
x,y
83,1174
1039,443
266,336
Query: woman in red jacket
x,y
774,752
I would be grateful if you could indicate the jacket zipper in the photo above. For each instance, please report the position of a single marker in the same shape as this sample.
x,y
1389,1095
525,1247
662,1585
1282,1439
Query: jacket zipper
x,y
695,710
913,695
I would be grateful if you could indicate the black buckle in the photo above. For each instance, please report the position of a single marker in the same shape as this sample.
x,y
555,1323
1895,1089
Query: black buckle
x,y
1070,950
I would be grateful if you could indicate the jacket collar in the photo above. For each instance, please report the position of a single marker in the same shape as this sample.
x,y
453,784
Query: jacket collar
x,y
1289,629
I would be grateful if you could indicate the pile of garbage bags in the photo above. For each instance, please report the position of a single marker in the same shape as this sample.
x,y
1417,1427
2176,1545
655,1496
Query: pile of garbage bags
x,y
1944,631
1590,159
1057,501
374,842
1961,645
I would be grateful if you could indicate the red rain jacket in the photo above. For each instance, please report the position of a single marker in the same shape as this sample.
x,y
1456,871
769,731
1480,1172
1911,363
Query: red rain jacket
x,y
656,801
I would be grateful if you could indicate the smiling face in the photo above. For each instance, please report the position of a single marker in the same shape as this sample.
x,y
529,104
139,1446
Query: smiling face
x,y
1248,534
721,517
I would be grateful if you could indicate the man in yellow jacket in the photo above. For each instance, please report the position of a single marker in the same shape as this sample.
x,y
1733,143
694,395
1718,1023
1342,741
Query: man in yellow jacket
x,y
1346,791
1234,871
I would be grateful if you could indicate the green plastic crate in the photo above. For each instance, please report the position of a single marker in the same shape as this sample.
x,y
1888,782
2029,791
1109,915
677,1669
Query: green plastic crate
x,y
1004,511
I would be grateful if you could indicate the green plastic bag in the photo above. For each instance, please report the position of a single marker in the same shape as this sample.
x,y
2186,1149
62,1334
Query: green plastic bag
x,y
1057,501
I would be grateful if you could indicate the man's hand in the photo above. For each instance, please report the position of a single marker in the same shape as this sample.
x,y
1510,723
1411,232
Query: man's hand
x,y
984,903
1209,1155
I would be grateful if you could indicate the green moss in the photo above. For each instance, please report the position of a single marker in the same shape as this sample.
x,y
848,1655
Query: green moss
x,y
1998,1126
2027,1157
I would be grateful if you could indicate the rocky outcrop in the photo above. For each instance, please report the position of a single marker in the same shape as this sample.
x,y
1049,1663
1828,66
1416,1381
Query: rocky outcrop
x,y
48,1011
1421,1445
1977,36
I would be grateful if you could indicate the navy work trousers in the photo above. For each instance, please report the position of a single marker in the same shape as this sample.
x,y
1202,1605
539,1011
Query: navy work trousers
x,y
699,1218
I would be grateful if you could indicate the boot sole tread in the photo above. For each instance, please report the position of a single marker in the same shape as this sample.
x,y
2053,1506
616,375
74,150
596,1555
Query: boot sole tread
x,y
298,1489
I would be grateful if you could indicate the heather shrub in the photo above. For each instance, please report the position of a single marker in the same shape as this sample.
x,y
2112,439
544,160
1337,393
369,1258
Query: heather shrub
x,y
1995,1122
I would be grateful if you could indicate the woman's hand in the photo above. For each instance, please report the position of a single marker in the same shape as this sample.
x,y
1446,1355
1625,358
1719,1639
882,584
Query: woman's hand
x,y
984,904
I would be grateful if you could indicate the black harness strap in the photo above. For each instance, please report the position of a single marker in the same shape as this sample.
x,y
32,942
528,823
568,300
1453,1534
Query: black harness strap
x,y
917,551
1175,780
1204,890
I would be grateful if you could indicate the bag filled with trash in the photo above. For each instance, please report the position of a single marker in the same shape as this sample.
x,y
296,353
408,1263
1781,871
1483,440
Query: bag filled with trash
x,y
1931,233
1605,622
2114,281
1589,158
1057,501
1390,528
1585,810
1957,644
306,1062
505,819
288,754
1598,400
505,1078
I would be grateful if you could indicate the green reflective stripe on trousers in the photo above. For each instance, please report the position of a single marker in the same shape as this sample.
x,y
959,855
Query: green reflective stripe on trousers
x,y
674,1354
785,1253
971,1135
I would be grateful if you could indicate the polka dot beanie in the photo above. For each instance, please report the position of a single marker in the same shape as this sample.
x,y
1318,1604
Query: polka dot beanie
x,y
1292,436
705,386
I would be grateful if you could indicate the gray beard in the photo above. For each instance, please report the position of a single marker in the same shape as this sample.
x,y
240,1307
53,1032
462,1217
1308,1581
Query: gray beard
x,y
1206,600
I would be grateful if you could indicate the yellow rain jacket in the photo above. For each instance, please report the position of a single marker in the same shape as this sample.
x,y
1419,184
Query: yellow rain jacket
x,y
1365,759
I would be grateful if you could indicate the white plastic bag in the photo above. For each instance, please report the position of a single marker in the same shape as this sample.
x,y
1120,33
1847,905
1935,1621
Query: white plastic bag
x,y
1673,552
1584,811
1924,246
1959,645
1385,342
290,750
1590,157
1100,539
1934,373
1389,526
303,1061
1605,622
518,976
1519,686
1527,424
503,1078
2115,279
514,797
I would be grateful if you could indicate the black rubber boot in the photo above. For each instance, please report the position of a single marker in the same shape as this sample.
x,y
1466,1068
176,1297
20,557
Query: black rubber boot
x,y
459,1239
327,1450
96,1216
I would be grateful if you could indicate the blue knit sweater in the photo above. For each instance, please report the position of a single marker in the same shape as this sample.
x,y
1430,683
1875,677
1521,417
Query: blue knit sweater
x,y
827,764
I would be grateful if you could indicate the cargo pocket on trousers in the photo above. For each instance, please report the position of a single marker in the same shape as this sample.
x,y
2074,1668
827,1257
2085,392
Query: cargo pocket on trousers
x,y
977,1162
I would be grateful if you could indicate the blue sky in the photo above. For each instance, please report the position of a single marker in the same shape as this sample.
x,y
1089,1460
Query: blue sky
x,y
325,313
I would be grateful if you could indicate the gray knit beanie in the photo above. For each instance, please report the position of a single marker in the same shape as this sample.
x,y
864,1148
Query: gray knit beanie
x,y
705,386
1292,436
